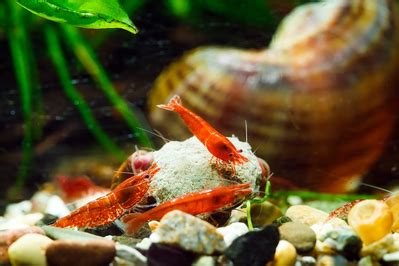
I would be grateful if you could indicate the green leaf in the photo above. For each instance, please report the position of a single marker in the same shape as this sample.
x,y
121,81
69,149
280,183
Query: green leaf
x,y
96,14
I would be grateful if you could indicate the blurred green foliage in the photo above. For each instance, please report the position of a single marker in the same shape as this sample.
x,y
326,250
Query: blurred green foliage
x,y
17,25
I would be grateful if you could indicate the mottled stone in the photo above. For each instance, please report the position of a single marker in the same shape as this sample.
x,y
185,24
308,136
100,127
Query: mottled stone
x,y
189,233
331,260
310,216
300,235
282,220
342,240
368,261
305,261
285,254
131,255
29,250
378,248
255,248
166,255
84,253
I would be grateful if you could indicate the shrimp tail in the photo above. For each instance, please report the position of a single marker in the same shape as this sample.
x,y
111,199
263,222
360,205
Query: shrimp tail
x,y
174,103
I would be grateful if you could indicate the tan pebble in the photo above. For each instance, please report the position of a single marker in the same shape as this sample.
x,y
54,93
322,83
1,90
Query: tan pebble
x,y
29,249
371,220
393,204
285,254
153,225
310,216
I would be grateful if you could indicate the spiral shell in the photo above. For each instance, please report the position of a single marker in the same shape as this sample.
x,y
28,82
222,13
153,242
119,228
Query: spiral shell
x,y
318,101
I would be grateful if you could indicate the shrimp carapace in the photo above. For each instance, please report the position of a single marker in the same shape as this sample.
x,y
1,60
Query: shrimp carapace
x,y
216,143
200,202
110,207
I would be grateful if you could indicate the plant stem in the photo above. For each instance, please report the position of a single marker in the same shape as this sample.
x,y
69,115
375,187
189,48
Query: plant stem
x,y
309,195
57,57
17,37
88,59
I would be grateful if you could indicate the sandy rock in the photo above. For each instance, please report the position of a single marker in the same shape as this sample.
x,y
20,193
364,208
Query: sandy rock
x,y
189,233
85,253
310,216
29,250
186,167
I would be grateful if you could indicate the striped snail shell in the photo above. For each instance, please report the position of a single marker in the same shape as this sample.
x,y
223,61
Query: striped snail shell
x,y
319,101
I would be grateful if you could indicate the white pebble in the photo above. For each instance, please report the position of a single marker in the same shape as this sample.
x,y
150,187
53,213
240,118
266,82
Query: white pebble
x,y
232,231
57,207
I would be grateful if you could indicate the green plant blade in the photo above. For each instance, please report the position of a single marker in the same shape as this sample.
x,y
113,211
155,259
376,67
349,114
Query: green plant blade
x,y
96,14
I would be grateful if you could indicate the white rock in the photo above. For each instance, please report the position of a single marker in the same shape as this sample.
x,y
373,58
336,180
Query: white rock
x,y
57,207
232,231
18,209
29,249
144,244
187,166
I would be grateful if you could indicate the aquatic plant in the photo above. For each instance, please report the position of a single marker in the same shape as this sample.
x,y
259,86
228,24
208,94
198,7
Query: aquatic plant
x,y
104,15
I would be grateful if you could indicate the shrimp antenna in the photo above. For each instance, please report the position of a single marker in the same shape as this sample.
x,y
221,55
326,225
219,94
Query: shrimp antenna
x,y
375,187
246,131
157,134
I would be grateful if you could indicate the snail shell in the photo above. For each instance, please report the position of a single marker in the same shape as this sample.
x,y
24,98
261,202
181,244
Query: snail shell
x,y
319,102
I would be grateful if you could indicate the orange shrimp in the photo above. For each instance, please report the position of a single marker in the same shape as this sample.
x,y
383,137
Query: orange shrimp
x,y
216,143
110,207
343,211
200,202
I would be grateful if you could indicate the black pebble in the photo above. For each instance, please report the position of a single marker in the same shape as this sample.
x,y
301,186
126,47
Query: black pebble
x,y
254,248
165,255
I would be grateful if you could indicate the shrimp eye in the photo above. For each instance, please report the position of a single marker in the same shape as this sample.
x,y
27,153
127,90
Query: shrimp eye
x,y
231,154
239,151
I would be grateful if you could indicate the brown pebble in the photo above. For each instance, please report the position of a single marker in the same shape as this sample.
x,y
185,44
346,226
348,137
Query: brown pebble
x,y
78,253
10,236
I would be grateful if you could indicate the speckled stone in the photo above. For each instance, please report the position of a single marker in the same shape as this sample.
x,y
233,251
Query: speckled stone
x,y
189,233
301,236
187,166
331,260
378,248
343,241
80,253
